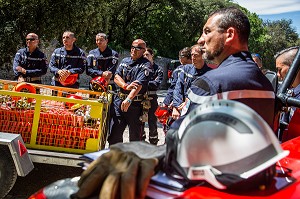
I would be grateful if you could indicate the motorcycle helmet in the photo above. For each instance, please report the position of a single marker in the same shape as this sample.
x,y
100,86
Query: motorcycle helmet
x,y
223,143
99,84
70,80
162,113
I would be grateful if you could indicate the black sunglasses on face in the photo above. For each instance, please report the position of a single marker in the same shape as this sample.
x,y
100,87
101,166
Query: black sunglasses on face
x,y
30,39
137,48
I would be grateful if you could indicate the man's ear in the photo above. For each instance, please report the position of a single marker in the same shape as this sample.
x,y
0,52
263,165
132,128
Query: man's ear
x,y
231,34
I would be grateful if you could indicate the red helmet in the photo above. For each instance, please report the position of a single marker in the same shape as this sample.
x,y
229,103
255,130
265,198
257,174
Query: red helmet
x,y
70,80
72,96
99,84
162,113
170,74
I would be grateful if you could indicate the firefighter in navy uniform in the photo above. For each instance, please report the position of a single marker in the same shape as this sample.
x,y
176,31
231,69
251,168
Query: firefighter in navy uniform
x,y
185,79
102,61
184,58
224,41
67,63
30,63
153,85
132,76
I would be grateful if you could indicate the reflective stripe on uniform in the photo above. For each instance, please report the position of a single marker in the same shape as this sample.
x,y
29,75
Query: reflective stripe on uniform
x,y
187,74
35,59
69,56
236,94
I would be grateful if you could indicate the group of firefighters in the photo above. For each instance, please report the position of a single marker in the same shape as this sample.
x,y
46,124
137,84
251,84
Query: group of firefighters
x,y
137,73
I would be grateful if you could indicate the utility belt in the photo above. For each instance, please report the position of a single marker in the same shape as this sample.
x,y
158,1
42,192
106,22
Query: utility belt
x,y
32,79
152,92
137,98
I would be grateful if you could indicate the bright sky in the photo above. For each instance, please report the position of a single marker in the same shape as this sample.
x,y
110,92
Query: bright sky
x,y
274,10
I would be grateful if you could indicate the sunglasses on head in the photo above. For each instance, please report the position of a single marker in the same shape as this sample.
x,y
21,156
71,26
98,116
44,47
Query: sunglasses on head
x,y
256,55
30,39
138,48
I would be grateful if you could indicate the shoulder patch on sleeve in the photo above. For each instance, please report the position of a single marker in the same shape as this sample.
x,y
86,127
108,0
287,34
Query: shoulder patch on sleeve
x,y
202,84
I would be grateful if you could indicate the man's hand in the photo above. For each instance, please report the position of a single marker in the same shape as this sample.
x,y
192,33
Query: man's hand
x,y
175,113
117,174
125,105
21,79
20,69
133,85
180,107
63,74
107,75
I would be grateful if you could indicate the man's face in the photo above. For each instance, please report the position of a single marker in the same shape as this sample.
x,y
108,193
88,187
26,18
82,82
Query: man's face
x,y
281,68
101,42
137,49
184,60
68,40
148,56
32,41
212,40
196,56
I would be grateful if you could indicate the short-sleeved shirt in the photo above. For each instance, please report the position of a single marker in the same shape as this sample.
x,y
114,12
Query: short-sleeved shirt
x,y
73,60
98,62
34,63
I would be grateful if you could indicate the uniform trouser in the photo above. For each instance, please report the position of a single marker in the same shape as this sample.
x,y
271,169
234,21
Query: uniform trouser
x,y
122,119
152,119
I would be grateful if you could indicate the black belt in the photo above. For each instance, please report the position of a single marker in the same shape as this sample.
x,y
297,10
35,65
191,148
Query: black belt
x,y
31,79
152,92
137,98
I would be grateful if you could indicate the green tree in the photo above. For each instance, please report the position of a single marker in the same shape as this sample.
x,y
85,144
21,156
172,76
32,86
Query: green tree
x,y
279,35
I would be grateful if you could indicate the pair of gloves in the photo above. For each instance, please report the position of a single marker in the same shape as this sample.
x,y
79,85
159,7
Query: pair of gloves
x,y
123,172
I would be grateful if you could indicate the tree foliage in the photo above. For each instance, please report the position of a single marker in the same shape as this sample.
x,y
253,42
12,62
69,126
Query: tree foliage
x,y
166,25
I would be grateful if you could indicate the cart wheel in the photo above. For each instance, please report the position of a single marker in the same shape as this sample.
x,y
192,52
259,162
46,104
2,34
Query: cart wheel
x,y
8,172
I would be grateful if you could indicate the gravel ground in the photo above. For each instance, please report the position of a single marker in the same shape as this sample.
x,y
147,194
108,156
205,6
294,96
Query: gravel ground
x,y
161,135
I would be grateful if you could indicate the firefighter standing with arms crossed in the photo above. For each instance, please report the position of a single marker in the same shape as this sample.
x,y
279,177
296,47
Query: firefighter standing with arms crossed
x,y
132,76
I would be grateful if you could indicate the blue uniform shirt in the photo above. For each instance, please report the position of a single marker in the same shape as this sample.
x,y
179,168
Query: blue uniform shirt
x,y
35,63
185,79
236,78
169,97
73,60
130,71
98,62
296,94
155,78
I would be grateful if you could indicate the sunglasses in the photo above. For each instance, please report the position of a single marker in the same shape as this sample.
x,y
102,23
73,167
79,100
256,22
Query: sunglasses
x,y
256,55
30,39
137,48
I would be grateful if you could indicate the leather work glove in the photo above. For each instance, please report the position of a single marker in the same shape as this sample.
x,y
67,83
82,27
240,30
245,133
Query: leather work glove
x,y
120,173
